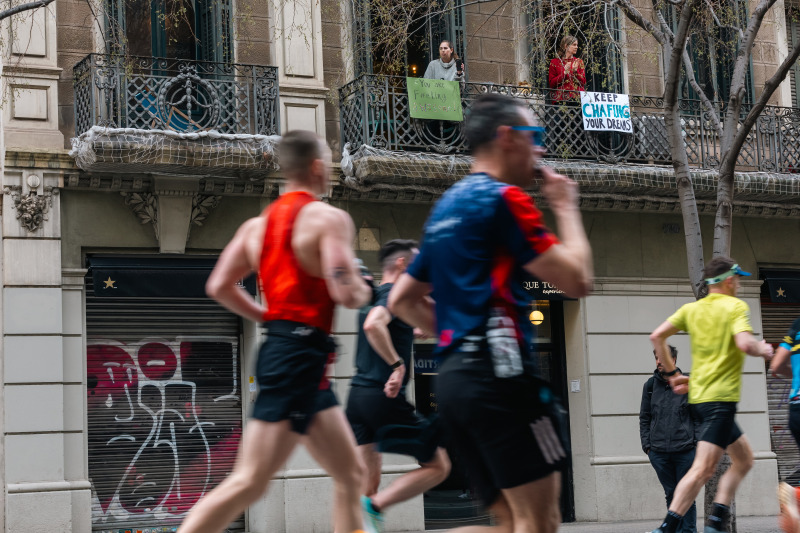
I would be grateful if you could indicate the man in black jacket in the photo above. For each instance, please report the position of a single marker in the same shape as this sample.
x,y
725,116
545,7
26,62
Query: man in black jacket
x,y
668,436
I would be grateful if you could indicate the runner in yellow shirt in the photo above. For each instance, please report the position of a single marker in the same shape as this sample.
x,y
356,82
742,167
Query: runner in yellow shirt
x,y
719,327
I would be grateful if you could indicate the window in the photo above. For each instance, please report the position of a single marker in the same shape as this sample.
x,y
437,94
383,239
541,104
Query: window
x,y
389,40
597,28
177,29
713,52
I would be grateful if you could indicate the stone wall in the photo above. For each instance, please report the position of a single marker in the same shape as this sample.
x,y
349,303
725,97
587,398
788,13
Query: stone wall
x,y
252,41
334,56
75,41
643,56
491,42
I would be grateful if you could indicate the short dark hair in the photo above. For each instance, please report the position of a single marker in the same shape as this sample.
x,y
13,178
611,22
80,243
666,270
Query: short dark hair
x,y
672,350
489,112
297,149
396,246
718,265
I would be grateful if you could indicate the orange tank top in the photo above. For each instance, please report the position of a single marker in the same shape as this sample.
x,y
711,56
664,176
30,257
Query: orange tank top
x,y
290,292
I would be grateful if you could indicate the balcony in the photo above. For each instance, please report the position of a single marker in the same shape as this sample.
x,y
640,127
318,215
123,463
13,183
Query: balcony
x,y
174,116
374,112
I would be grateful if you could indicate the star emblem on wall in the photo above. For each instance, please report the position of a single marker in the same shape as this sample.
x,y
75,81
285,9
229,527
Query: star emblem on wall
x,y
781,292
109,283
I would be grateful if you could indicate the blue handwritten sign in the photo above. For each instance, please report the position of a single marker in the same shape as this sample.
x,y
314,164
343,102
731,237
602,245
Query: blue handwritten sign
x,y
606,112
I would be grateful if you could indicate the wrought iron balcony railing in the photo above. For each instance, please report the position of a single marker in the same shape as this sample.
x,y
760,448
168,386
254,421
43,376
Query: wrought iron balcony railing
x,y
185,96
374,110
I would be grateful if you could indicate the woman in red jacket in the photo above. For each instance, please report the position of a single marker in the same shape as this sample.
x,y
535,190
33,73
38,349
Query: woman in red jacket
x,y
567,74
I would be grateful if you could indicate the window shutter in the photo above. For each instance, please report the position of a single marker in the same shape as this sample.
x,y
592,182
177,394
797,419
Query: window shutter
x,y
793,36
361,37
214,31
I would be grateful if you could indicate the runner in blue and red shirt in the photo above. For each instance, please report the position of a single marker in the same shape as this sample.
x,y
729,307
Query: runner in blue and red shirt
x,y
483,239
787,358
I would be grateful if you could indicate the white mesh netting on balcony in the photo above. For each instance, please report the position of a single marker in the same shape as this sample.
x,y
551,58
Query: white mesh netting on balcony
x,y
370,170
136,150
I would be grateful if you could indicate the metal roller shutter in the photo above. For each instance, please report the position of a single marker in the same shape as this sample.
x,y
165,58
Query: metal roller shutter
x,y
776,319
164,407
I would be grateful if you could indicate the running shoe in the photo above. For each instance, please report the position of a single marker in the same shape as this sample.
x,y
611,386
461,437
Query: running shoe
x,y
789,520
373,519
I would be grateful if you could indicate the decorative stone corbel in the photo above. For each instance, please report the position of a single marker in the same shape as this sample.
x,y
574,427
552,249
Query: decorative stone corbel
x,y
145,206
202,205
32,207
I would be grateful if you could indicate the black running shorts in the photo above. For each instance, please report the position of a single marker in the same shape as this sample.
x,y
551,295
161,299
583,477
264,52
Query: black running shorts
x,y
717,423
369,410
794,420
291,374
506,431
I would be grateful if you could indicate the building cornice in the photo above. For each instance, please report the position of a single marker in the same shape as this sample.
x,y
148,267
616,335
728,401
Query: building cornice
x,y
383,176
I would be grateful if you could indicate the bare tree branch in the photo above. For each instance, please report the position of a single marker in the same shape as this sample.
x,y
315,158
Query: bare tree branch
x,y
24,7
635,16
770,87
707,104
678,47
739,76
719,23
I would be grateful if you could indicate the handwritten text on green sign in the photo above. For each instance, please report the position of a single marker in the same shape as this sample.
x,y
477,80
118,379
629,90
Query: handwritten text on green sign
x,y
434,99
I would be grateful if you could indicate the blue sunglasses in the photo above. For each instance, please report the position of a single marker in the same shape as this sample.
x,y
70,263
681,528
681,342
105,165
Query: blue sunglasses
x,y
537,134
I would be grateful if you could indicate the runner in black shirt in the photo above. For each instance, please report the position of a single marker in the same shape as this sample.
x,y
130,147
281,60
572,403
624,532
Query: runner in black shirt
x,y
377,396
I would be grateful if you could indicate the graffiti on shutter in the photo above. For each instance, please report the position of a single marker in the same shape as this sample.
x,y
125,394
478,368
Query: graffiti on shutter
x,y
164,426
776,320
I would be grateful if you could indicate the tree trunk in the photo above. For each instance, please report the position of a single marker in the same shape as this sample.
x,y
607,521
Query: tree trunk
x,y
711,491
680,159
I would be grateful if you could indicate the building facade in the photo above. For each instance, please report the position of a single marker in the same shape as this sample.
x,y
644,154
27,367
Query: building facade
x,y
124,390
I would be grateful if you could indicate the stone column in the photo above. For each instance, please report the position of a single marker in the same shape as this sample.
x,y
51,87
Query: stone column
x,y
44,393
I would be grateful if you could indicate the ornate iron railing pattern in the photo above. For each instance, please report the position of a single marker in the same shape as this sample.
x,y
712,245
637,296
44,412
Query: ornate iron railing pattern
x,y
174,94
374,110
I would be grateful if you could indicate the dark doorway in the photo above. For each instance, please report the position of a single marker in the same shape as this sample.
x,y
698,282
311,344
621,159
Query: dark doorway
x,y
548,345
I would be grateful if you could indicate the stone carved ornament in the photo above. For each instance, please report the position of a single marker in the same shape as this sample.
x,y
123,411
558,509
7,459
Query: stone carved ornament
x,y
31,207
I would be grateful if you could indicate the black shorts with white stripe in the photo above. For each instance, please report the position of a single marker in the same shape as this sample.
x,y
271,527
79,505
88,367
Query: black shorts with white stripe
x,y
506,431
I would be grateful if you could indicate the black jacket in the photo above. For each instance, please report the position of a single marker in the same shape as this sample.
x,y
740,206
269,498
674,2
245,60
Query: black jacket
x,y
665,423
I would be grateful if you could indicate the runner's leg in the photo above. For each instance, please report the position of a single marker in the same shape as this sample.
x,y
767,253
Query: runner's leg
x,y
535,505
415,482
371,459
265,447
332,444
501,515
789,519
741,462
705,463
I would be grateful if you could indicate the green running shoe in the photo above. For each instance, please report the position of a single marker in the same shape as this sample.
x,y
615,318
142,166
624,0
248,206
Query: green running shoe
x,y
373,519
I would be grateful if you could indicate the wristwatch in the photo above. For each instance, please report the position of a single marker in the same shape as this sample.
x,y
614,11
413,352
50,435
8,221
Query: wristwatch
x,y
397,364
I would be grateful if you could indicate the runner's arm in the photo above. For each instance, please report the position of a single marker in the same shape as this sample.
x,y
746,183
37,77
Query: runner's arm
x,y
659,339
233,265
567,265
410,301
376,328
781,363
342,276
747,343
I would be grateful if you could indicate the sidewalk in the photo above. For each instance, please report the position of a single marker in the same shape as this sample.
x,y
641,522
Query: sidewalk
x,y
745,524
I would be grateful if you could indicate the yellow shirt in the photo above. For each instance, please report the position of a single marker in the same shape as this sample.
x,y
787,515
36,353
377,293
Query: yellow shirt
x,y
716,360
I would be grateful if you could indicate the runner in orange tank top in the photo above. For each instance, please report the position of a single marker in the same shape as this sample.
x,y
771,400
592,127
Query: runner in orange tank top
x,y
301,249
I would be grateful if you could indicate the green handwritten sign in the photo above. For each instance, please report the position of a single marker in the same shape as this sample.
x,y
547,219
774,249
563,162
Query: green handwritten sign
x,y
434,99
